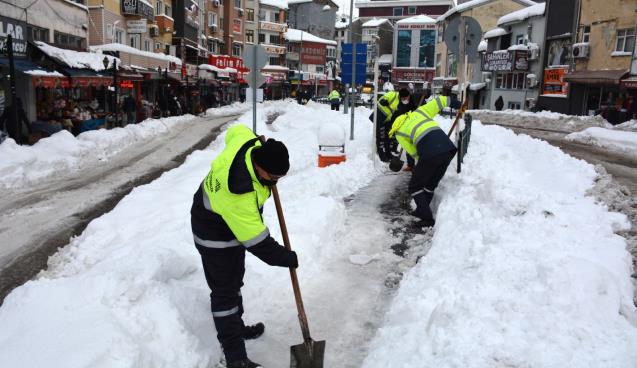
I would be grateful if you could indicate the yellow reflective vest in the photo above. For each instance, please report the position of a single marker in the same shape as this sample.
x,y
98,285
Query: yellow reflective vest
x,y
241,212
411,127
393,100
334,95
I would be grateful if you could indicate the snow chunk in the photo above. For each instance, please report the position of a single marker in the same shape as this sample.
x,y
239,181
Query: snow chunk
x,y
496,32
606,138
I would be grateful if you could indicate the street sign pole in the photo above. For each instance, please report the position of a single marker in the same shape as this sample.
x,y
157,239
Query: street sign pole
x,y
14,98
255,59
254,94
353,95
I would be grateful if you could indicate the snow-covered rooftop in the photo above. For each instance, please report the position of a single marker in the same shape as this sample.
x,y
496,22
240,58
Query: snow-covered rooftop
x,y
483,46
418,19
522,14
213,68
281,4
76,59
385,58
496,32
375,22
341,23
296,35
131,50
474,3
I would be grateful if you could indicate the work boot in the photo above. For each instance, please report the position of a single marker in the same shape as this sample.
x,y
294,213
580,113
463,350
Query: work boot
x,y
246,363
254,331
423,199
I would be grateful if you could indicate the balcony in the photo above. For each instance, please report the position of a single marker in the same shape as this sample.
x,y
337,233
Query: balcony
x,y
165,23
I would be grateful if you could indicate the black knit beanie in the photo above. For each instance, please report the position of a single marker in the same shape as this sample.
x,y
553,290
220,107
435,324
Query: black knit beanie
x,y
272,157
404,92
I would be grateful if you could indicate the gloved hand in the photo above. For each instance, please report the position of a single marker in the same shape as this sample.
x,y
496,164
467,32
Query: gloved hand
x,y
395,164
294,260
383,102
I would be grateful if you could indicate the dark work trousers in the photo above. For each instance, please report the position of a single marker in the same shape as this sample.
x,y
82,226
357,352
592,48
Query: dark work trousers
x,y
384,144
335,105
224,269
425,178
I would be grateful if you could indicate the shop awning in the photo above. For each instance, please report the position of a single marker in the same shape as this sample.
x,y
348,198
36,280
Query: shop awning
x,y
24,65
88,77
629,83
596,76
129,75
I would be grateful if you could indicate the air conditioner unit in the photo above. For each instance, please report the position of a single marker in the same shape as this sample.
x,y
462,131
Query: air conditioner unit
x,y
534,53
241,12
215,3
531,81
580,50
154,32
213,28
486,76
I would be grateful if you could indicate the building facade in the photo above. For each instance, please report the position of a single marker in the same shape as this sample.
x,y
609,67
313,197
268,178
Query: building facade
x,y
272,28
378,34
511,64
602,56
316,17
395,10
414,52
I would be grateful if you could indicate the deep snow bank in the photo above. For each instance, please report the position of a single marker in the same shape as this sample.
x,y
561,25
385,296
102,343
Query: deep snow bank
x,y
525,269
540,120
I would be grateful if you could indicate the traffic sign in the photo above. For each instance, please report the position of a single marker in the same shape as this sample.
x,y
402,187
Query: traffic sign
x,y
255,58
361,63
472,36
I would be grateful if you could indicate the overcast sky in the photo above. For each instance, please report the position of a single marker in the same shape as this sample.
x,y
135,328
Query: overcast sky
x,y
344,7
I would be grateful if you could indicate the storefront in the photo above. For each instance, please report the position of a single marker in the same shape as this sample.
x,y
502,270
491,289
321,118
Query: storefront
x,y
509,71
599,92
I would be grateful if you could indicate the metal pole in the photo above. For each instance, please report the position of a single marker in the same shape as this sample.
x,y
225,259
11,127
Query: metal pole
x,y
461,66
116,93
254,90
349,40
353,95
14,98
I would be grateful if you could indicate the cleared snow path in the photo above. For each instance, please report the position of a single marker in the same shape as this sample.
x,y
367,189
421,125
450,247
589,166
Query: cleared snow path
x,y
36,219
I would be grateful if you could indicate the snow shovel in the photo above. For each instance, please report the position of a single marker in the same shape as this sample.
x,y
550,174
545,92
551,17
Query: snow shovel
x,y
395,164
310,353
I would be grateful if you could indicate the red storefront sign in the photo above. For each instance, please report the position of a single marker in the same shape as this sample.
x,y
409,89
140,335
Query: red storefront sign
x,y
313,53
50,82
554,83
126,84
222,61
65,82
413,75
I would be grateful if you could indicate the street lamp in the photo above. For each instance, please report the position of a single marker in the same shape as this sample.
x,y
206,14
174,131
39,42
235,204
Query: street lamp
x,y
106,63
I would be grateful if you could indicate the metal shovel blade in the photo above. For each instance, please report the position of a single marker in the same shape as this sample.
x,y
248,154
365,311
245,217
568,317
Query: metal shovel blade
x,y
301,357
396,164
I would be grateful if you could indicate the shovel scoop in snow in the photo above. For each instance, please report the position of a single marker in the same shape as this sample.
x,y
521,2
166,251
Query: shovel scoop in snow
x,y
307,355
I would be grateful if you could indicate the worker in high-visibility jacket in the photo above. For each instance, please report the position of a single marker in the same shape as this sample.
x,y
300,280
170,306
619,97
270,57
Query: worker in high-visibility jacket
x,y
423,139
226,221
335,99
387,105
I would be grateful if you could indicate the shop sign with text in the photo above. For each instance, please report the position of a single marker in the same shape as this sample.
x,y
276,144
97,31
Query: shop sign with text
x,y
417,26
505,61
554,83
221,61
138,7
275,27
18,31
313,53
413,75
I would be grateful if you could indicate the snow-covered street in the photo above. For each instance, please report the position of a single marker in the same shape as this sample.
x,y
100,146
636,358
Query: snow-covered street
x,y
525,266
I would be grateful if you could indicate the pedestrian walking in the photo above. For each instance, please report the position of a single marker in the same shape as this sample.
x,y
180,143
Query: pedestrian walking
x,y
226,221
130,108
423,139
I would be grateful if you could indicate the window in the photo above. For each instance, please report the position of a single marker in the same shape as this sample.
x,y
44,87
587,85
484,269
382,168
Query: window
x,y
274,39
398,12
147,44
274,60
586,33
275,16
119,35
411,10
514,105
403,49
38,34
158,46
625,40
168,11
249,36
134,41
505,41
158,7
237,3
68,41
236,50
250,14
212,47
427,48
212,19
519,39
510,80
220,23
261,38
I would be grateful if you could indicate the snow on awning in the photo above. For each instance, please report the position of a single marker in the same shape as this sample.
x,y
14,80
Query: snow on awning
x,y
418,19
374,22
522,14
483,46
496,32
213,68
296,35
131,50
77,59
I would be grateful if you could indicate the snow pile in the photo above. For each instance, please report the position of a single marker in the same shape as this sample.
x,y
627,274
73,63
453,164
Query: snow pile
x,y
540,120
130,290
22,165
607,138
296,35
235,108
522,14
515,277
630,126
525,269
